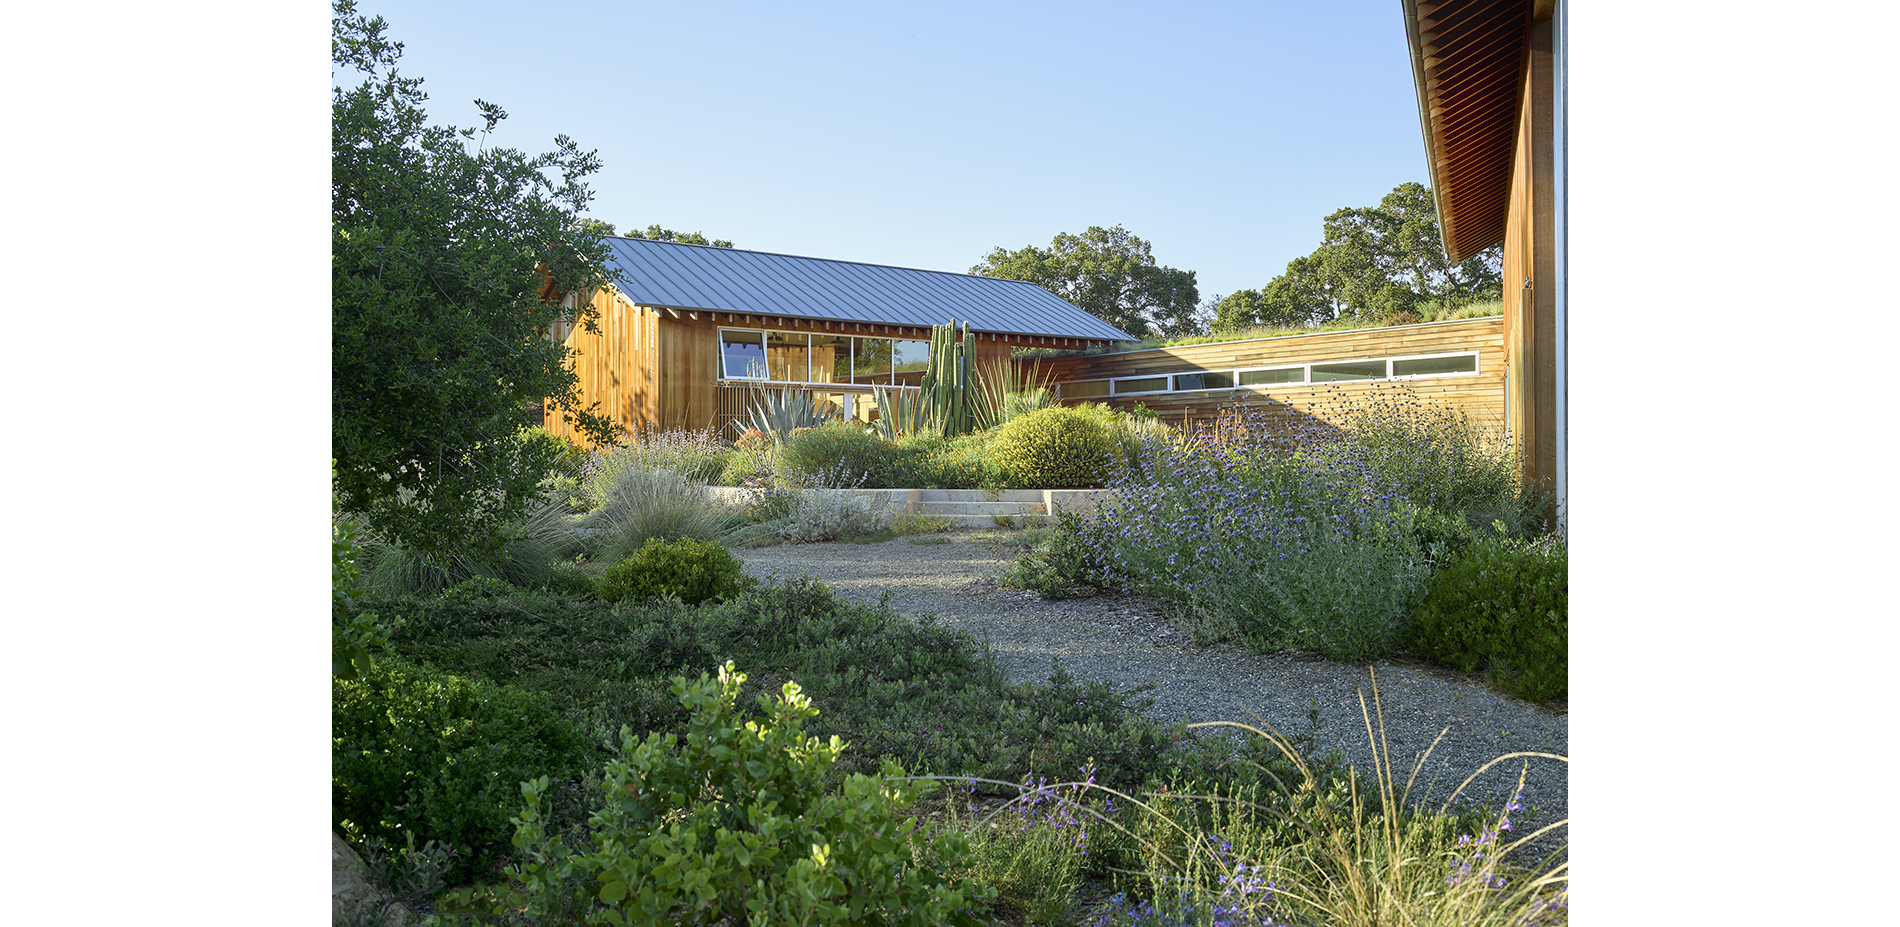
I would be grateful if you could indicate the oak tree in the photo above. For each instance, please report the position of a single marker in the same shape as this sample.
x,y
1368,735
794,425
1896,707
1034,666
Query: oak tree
x,y
442,250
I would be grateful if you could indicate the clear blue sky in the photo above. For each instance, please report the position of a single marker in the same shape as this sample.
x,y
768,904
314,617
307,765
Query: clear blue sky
x,y
924,136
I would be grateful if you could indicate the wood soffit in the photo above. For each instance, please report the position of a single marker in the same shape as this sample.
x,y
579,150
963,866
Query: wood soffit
x,y
1468,63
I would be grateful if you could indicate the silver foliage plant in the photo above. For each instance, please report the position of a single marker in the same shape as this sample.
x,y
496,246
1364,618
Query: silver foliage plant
x,y
827,508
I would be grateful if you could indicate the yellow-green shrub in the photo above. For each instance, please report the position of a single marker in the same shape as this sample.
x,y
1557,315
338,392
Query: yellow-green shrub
x,y
732,824
1060,448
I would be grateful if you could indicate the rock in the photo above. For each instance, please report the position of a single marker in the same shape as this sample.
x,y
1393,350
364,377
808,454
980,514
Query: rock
x,y
354,899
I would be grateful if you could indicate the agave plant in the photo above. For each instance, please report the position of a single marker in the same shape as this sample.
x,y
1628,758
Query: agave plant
x,y
778,413
901,412
1005,390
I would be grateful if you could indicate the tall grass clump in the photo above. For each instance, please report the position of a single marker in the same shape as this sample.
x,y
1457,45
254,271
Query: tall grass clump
x,y
695,455
1344,850
657,503
530,549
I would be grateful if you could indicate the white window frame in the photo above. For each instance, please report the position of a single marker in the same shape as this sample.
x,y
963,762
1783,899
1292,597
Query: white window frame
x,y
1167,378
1062,389
1232,376
1306,376
1477,366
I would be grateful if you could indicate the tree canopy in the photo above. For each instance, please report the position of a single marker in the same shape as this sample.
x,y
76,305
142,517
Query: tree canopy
x,y
1108,273
655,233
1380,264
441,251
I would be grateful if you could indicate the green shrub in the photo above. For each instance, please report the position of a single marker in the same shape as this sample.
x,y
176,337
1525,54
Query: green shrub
x,y
1060,448
440,757
692,571
1502,606
961,463
1057,561
920,523
733,825
749,465
847,450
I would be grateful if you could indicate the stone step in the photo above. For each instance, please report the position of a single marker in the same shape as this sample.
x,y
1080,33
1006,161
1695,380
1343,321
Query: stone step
x,y
964,507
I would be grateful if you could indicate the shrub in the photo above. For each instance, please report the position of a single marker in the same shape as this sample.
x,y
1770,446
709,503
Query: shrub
x,y
692,571
652,503
842,447
1303,546
963,462
1059,448
825,514
920,523
1057,561
733,825
439,757
1502,606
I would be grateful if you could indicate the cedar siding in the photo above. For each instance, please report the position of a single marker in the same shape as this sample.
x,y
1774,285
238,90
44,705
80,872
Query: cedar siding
x,y
1480,396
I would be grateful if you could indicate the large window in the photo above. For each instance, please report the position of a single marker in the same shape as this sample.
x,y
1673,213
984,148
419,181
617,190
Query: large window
x,y
797,357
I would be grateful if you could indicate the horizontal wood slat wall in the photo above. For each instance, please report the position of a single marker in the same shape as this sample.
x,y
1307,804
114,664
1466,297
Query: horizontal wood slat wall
x,y
1479,397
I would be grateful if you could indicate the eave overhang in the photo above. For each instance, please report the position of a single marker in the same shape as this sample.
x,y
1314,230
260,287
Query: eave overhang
x,y
1468,65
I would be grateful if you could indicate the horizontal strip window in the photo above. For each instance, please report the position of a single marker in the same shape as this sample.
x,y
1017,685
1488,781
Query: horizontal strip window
x,y
1440,365
1272,377
1084,388
1206,379
1349,370
800,357
1141,385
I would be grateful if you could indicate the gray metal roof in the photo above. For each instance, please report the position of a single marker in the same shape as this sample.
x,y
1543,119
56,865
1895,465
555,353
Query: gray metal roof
x,y
668,274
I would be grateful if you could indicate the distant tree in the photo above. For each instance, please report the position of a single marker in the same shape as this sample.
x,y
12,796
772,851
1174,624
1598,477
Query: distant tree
x,y
1379,264
653,233
438,257
1108,273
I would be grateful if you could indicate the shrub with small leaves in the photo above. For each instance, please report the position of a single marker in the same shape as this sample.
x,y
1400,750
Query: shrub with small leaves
x,y
1502,606
863,457
440,757
1058,448
734,825
692,571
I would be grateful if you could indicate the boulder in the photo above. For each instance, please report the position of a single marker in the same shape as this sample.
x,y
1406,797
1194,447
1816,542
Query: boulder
x,y
356,900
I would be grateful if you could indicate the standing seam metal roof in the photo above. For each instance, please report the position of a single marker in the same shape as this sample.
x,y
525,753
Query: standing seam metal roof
x,y
669,274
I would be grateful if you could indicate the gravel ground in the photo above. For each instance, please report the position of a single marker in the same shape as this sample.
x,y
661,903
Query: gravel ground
x,y
1131,642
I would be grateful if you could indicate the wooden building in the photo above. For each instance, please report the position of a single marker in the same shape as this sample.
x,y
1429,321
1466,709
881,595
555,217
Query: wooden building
x,y
1490,83
1458,364
688,333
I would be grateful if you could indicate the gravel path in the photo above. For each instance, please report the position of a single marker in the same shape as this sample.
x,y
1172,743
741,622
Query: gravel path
x,y
1130,642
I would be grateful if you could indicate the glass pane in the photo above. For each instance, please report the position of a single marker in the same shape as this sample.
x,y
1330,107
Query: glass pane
x,y
909,359
830,359
1267,377
1085,388
1204,380
1350,370
785,356
871,360
742,354
1141,385
1425,366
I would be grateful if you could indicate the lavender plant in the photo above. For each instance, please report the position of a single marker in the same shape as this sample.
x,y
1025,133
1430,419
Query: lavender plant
x,y
1274,537
696,455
